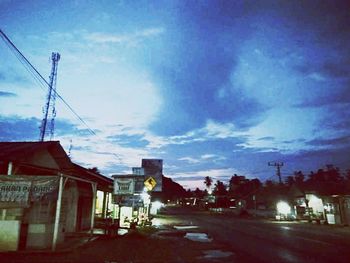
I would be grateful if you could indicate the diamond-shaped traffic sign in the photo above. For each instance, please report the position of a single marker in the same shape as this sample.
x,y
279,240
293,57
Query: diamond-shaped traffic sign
x,y
150,183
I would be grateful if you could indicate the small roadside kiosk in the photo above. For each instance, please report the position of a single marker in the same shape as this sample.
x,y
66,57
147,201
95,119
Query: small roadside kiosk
x,y
132,200
44,196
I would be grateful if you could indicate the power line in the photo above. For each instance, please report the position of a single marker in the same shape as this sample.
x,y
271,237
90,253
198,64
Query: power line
x,y
36,74
44,80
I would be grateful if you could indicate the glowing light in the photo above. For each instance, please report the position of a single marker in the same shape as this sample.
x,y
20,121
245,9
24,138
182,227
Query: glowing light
x,y
283,208
156,222
145,198
157,205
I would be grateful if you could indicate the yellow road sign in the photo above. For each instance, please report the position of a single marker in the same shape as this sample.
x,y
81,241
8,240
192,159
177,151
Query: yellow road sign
x,y
150,183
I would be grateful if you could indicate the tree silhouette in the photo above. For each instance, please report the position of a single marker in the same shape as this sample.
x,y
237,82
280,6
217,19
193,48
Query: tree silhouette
x,y
208,182
198,193
220,188
290,180
299,177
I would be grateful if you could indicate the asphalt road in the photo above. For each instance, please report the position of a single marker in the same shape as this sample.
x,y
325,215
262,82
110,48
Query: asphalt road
x,y
257,240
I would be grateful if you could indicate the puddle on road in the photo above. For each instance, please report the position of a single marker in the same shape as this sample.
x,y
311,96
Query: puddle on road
x,y
212,254
199,237
285,227
185,227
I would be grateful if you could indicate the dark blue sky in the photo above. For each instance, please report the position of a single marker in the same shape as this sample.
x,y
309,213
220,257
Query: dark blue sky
x,y
212,87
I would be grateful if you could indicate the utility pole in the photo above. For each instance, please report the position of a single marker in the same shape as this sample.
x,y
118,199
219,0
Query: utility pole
x,y
278,166
49,109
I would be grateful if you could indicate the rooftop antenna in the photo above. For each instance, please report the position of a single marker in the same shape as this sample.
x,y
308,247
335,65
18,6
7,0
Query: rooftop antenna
x,y
48,122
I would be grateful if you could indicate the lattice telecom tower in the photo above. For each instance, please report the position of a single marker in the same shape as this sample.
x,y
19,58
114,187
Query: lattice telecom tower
x,y
48,123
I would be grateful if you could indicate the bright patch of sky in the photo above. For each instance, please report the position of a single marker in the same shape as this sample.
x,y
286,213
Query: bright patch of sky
x,y
211,87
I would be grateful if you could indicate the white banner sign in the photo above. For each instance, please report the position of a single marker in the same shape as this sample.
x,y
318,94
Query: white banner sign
x,y
14,191
21,189
124,186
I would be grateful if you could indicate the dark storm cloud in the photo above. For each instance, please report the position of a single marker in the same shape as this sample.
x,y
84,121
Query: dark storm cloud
x,y
194,72
332,70
333,97
326,62
315,159
336,119
198,63
7,94
337,69
219,146
344,140
339,124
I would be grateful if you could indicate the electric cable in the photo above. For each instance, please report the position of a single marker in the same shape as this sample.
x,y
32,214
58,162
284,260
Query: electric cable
x,y
39,78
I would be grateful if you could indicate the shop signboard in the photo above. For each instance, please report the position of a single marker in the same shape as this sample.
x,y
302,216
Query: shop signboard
x,y
18,191
128,184
128,200
124,186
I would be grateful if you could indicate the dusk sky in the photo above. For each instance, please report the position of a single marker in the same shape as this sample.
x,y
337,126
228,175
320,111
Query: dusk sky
x,y
213,88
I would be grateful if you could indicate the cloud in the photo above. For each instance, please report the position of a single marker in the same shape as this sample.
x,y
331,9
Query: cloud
x,y
7,94
189,160
136,141
326,70
314,159
194,70
15,128
135,37
339,95
196,178
208,156
267,138
211,130
64,127
331,142
19,129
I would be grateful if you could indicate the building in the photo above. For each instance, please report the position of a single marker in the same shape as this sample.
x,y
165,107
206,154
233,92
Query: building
x,y
44,196
323,202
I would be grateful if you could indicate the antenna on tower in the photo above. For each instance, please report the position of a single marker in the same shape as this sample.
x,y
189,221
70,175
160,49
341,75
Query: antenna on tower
x,y
48,122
